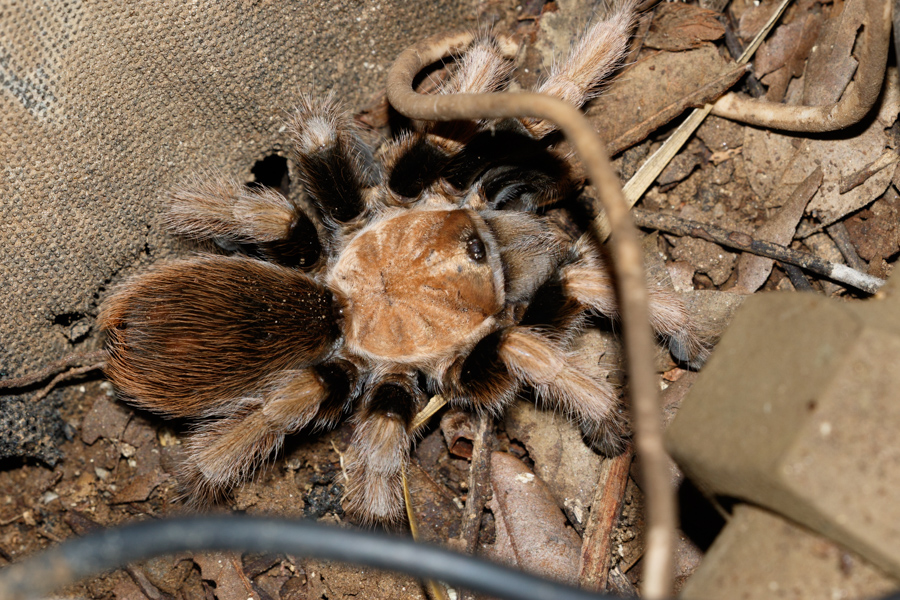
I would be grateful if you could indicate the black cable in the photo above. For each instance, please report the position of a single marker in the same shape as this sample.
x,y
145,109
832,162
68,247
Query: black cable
x,y
76,559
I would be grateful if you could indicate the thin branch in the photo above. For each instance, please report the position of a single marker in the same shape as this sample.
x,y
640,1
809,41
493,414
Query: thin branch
x,y
627,262
70,374
53,368
798,279
746,243
851,108
479,482
605,511
479,487
841,238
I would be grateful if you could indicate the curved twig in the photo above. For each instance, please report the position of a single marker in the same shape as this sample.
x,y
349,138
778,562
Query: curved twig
x,y
54,368
850,109
627,261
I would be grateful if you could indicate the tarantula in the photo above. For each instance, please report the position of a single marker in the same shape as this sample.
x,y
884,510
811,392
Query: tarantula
x,y
430,269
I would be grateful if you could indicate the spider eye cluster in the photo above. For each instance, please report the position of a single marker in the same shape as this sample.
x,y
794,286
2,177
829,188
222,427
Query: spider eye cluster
x,y
475,249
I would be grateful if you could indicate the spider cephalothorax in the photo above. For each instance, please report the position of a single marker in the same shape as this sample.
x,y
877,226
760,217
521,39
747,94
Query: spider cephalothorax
x,y
425,271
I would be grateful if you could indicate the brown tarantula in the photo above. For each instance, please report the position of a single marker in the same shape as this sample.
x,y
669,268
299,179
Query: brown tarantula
x,y
427,271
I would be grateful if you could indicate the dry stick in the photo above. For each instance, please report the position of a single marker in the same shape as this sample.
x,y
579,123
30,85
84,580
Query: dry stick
x,y
53,368
854,180
798,279
852,107
654,165
841,238
742,241
479,487
479,482
70,374
627,262
605,510
435,590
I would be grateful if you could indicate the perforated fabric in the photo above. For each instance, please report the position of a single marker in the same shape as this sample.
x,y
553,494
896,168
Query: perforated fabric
x,y
104,105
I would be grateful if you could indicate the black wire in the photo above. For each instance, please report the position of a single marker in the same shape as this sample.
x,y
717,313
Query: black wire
x,y
76,559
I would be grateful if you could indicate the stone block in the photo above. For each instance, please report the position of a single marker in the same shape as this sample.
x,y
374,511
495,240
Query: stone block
x,y
798,410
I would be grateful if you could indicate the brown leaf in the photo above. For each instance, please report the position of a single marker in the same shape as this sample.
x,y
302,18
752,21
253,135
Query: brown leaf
x,y
683,27
776,50
657,89
437,515
531,531
224,569
560,456
754,270
831,64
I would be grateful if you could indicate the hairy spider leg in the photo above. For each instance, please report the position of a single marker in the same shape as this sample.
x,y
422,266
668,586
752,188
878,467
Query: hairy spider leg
x,y
338,170
591,60
483,68
587,279
239,438
257,221
560,381
380,448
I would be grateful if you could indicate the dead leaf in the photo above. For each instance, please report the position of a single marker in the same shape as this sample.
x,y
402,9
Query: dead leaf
x,y
437,515
751,22
831,64
778,48
531,531
683,27
778,163
786,54
657,89
224,569
754,270
560,456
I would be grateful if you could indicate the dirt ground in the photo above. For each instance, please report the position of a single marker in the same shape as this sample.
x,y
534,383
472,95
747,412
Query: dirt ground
x,y
111,464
